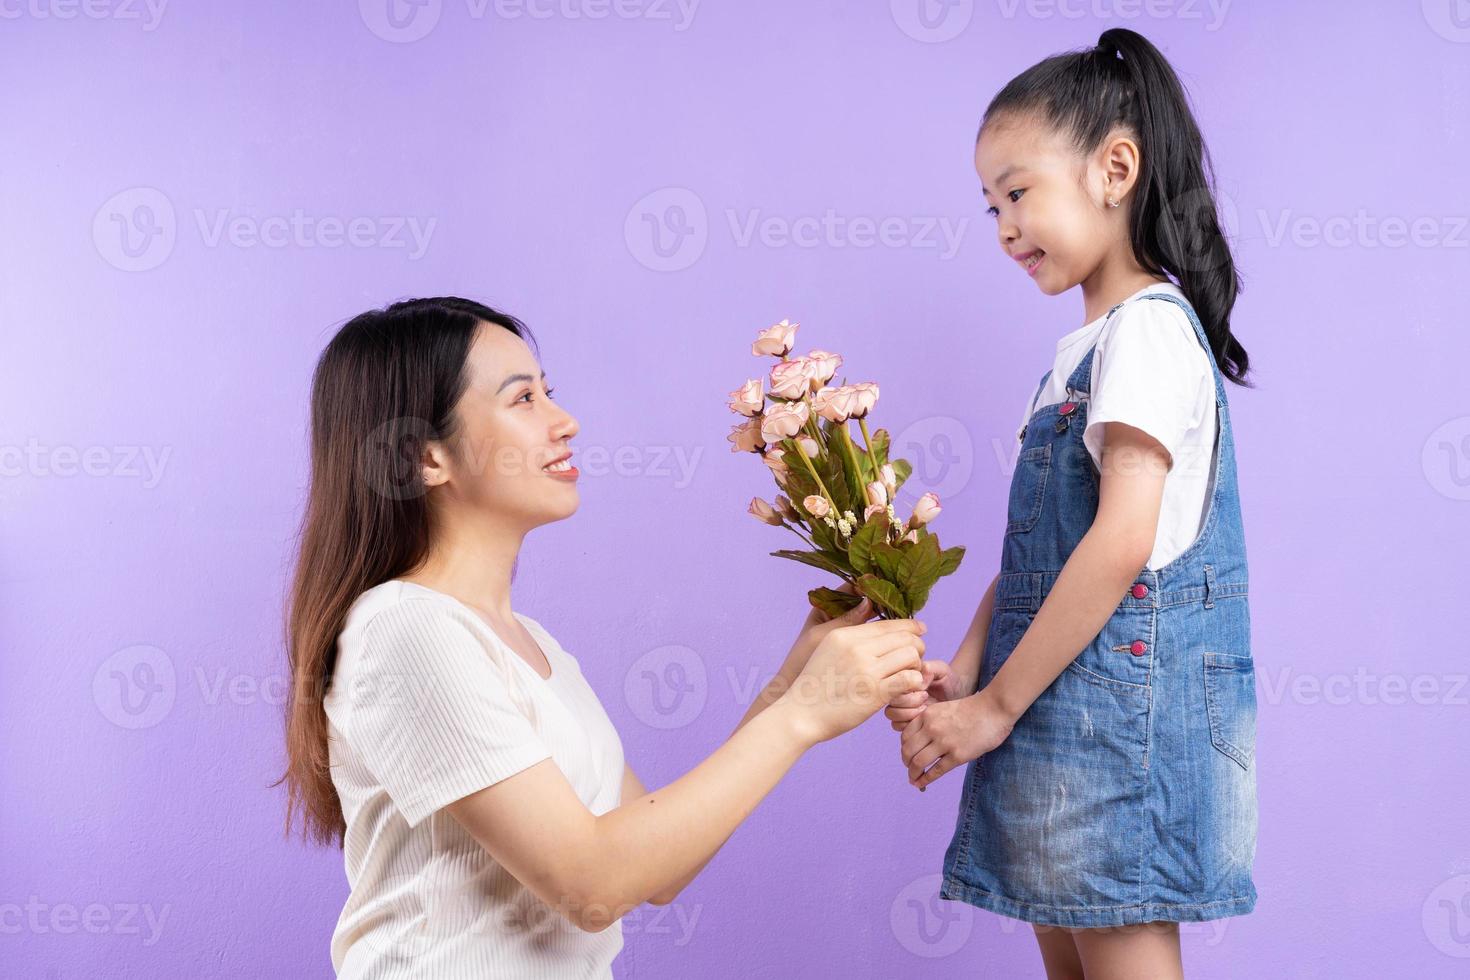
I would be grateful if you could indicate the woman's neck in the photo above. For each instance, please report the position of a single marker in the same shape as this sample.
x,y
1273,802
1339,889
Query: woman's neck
x,y
473,564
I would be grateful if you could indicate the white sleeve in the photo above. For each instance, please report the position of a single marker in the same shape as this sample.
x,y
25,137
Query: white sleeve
x,y
1148,371
431,714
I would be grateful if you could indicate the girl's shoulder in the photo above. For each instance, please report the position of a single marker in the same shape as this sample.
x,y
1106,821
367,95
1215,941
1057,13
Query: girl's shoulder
x,y
1153,321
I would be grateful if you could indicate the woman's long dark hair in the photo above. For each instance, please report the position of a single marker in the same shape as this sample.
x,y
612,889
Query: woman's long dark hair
x,y
1125,83
386,384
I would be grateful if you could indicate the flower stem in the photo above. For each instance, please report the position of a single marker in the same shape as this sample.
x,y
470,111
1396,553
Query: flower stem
x,y
851,452
872,456
822,486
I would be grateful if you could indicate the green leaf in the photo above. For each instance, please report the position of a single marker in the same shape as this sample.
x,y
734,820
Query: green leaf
x,y
832,602
860,550
884,594
816,559
880,445
903,469
950,558
825,537
886,557
918,570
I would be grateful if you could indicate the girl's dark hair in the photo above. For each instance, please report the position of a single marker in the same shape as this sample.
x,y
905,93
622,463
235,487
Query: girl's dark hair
x,y
387,383
1125,83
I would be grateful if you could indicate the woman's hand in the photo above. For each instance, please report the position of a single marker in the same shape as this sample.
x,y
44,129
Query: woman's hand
x,y
941,683
947,734
817,626
854,671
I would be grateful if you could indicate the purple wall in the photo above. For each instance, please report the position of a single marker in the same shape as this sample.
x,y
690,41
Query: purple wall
x,y
195,194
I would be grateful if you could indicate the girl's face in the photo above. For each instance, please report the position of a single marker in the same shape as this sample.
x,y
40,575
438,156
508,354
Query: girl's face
x,y
1048,202
510,460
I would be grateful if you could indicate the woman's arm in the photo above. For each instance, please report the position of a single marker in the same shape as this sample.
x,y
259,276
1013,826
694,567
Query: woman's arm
x,y
594,869
1100,569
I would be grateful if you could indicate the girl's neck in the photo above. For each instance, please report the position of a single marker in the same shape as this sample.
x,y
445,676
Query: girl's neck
x,y
1111,283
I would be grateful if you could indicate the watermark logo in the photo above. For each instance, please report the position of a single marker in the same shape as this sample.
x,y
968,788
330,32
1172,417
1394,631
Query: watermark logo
x,y
925,925
942,454
135,687
1446,459
932,21
400,21
667,687
1450,19
134,230
1446,917
667,230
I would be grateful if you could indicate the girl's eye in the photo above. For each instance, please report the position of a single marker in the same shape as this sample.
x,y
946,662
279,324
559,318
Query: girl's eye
x,y
1015,195
993,211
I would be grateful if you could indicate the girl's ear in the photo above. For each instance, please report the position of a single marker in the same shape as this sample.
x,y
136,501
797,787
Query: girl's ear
x,y
1119,162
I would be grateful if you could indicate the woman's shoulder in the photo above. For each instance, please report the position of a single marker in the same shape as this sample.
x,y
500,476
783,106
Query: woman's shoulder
x,y
549,643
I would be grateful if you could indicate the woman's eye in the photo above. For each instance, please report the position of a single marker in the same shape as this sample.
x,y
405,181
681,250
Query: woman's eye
x,y
550,392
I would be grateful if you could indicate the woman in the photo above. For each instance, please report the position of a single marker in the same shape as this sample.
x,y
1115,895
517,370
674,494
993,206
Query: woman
x,y
490,825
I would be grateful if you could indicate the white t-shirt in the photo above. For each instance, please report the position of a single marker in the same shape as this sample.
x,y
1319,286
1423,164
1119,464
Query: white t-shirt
x,y
428,705
1150,372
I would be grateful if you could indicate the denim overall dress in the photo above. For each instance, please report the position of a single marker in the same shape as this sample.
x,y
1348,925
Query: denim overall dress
x,y
1127,792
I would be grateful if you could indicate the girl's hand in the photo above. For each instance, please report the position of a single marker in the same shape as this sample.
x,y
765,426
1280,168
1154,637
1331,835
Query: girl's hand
x,y
854,671
948,734
941,683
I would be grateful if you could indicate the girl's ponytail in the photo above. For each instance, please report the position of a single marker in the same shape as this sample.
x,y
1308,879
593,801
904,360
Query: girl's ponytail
x,y
1125,82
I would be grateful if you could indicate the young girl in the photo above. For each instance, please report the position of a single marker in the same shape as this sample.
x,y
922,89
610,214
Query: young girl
x,y
1109,726
451,746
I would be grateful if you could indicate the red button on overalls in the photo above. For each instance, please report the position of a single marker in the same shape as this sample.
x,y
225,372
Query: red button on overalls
x,y
1138,648
1140,590
1067,408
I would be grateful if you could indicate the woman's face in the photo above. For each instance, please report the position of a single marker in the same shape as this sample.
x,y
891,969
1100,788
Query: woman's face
x,y
1048,203
511,456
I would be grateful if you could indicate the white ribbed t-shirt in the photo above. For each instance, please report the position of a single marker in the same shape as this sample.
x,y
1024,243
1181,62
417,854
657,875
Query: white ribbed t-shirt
x,y
1151,372
426,706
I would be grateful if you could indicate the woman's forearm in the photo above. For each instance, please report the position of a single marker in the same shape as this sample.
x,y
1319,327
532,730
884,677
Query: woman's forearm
x,y
670,833
1083,598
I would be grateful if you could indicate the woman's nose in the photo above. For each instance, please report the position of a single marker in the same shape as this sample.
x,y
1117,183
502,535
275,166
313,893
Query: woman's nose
x,y
565,427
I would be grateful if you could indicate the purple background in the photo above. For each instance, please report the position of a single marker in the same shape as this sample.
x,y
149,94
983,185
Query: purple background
x,y
544,149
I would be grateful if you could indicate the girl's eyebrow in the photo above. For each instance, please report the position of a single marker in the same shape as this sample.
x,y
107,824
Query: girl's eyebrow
x,y
514,378
1001,178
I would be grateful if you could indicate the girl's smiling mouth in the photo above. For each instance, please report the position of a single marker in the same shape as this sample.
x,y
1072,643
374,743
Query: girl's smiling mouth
x,y
1031,260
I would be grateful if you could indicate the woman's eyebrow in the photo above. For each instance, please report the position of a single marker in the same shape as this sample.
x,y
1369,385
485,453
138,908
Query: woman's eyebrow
x,y
514,378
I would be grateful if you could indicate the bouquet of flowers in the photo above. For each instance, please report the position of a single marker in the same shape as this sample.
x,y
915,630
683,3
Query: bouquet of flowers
x,y
838,496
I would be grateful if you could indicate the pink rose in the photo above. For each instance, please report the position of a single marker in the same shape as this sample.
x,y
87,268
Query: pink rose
x,y
790,379
817,506
776,340
809,446
785,508
889,477
925,510
824,365
783,421
835,404
865,396
746,437
874,510
877,494
773,459
748,399
764,512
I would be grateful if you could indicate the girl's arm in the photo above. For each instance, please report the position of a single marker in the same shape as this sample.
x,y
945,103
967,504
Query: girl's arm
x,y
968,658
594,869
947,734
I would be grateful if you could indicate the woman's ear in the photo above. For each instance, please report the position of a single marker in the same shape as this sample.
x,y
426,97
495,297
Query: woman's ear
x,y
1119,163
434,464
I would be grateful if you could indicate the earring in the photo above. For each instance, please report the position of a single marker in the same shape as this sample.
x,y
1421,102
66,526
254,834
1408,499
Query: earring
x,y
1112,203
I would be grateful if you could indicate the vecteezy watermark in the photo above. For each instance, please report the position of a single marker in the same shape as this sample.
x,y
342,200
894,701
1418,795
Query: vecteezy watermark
x,y
1446,459
39,918
1450,19
1446,917
405,21
942,454
667,230
146,13
926,926
667,687
932,21
1362,229
1364,686
1210,12
135,687
136,230
122,462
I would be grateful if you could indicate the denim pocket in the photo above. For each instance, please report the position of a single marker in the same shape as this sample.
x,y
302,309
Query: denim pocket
x,y
1028,488
1230,701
